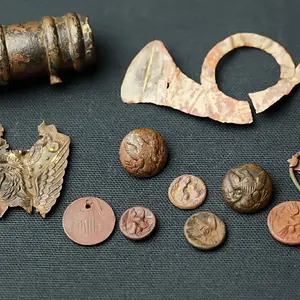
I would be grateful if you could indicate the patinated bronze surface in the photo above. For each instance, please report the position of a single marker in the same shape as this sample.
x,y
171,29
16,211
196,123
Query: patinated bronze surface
x,y
294,166
143,152
33,178
137,223
45,47
284,222
187,192
205,230
153,77
247,188
89,221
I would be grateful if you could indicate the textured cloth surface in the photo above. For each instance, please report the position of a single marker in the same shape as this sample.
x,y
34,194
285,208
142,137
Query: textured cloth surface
x,y
39,262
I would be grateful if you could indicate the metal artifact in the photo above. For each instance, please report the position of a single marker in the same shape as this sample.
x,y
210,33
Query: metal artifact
x,y
294,166
205,230
247,188
137,223
187,192
143,152
88,221
153,77
45,47
33,178
284,222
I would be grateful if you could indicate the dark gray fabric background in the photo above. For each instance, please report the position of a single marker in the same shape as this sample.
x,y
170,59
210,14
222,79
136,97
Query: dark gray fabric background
x,y
39,262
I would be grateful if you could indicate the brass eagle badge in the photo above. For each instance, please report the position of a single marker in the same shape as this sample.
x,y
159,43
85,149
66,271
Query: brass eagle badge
x,y
33,178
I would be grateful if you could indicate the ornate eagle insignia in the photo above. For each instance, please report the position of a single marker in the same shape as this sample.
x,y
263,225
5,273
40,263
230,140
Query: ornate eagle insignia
x,y
33,178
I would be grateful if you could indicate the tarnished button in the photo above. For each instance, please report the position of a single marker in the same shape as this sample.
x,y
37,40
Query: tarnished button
x,y
187,192
205,230
88,221
143,152
247,188
137,223
284,222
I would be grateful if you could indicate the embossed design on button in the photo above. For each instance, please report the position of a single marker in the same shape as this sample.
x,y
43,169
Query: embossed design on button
x,y
284,222
205,230
137,223
187,192
247,188
143,152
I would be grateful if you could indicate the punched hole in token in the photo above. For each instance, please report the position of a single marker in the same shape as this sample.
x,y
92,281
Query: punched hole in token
x,y
88,205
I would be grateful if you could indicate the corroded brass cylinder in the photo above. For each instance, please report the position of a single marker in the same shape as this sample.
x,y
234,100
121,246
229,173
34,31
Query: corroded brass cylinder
x,y
49,46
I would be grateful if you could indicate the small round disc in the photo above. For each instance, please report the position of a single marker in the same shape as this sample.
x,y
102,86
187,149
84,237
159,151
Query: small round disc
x,y
284,222
137,223
187,192
247,188
143,152
88,221
205,230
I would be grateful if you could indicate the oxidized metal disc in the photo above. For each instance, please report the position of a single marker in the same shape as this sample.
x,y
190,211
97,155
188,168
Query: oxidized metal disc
x,y
205,230
247,188
137,223
187,192
88,221
284,222
143,152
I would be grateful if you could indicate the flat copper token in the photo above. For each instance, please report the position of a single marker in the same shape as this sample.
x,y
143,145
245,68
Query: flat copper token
x,y
284,222
187,192
137,223
88,221
205,230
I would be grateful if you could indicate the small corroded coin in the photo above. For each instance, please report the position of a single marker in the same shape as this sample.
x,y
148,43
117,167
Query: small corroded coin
x,y
137,223
143,152
187,192
205,230
247,188
284,222
88,221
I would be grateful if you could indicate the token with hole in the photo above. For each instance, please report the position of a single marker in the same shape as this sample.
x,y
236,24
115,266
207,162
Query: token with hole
x,y
89,221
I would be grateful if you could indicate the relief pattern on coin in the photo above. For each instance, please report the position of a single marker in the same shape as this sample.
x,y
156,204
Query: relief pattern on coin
x,y
187,192
247,188
143,152
284,222
137,223
205,230
88,221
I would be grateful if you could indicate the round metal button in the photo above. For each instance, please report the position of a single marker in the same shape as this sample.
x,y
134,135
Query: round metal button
x,y
247,188
143,152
